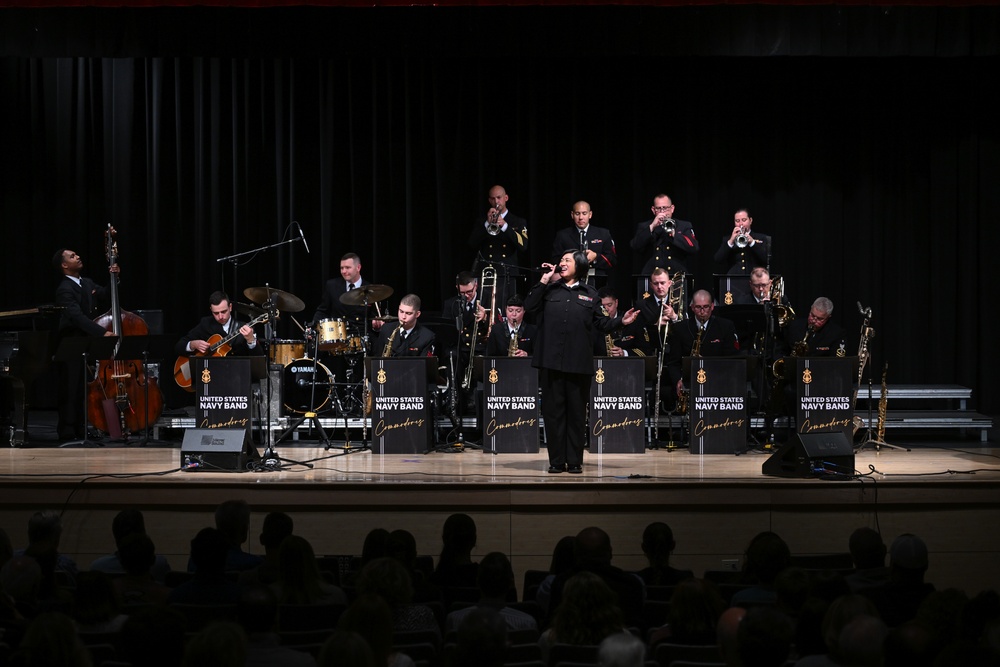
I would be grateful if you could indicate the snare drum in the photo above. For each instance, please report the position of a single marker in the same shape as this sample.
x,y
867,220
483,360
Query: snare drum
x,y
297,384
332,334
285,352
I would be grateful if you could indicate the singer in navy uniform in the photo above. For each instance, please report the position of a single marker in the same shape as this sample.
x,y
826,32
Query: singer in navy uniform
x,y
412,339
661,248
499,343
567,311
78,297
595,242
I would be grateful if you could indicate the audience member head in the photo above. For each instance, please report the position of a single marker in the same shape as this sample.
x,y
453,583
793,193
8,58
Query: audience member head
x,y
257,610
388,579
726,633
908,645
764,638
51,639
345,648
942,611
867,549
458,539
21,579
621,649
563,555
495,576
375,545
588,611
860,642
298,572
792,586
908,558
220,644
766,556
6,548
208,551
94,599
592,547
277,526
809,638
695,608
371,617
232,518
153,637
842,611
137,554
44,531
482,639
402,546
126,522
658,543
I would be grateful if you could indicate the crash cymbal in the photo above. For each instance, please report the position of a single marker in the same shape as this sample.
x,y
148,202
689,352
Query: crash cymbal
x,y
281,300
249,309
366,294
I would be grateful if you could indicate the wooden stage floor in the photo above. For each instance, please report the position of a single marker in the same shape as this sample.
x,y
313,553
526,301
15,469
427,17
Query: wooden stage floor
x,y
946,492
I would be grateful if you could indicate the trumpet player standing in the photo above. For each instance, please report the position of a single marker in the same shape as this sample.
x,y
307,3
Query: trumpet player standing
x,y
666,243
501,240
593,241
742,251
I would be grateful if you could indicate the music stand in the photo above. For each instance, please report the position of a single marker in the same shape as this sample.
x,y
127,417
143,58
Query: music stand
x,y
83,348
148,347
446,337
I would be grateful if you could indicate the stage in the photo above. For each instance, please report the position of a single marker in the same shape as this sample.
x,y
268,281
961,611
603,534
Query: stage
x,y
946,491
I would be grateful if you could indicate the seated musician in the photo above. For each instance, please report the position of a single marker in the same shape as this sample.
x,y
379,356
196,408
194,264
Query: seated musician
x,y
466,312
631,340
332,307
499,344
815,335
222,325
702,335
408,338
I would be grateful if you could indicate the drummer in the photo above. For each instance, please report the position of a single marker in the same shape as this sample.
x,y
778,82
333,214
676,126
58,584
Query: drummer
x,y
331,305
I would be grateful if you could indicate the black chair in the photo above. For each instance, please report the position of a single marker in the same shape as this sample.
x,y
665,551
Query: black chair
x,y
197,616
420,652
532,579
304,637
582,653
293,617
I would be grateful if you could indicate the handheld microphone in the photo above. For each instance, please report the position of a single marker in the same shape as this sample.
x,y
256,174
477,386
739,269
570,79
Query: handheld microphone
x,y
302,236
545,269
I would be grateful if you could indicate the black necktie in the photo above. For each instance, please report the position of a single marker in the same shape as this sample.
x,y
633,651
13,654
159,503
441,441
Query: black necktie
x,y
583,239
350,286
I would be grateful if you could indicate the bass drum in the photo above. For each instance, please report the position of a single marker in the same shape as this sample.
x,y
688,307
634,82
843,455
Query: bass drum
x,y
298,382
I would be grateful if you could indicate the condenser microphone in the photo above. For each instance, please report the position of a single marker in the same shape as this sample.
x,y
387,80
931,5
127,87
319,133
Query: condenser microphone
x,y
302,236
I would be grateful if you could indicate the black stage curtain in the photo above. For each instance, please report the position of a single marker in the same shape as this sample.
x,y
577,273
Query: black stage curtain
x,y
876,176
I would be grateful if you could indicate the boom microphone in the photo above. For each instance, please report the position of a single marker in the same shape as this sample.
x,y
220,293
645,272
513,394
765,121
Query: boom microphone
x,y
302,236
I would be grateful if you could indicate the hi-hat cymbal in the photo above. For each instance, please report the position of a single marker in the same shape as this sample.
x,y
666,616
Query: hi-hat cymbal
x,y
366,294
281,300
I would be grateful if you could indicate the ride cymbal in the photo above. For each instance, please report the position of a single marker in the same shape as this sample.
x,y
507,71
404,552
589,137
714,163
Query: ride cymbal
x,y
366,294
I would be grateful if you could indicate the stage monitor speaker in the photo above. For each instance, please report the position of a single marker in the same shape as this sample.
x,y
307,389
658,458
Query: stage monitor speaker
x,y
826,455
217,449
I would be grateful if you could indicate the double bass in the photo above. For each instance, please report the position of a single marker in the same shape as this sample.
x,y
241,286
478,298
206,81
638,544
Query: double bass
x,y
122,399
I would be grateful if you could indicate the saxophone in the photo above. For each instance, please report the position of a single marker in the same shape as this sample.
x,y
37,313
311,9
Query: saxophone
x,y
512,346
386,352
882,402
682,401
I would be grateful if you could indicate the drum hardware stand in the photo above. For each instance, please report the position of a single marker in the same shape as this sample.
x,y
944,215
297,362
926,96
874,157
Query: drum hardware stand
x,y
269,459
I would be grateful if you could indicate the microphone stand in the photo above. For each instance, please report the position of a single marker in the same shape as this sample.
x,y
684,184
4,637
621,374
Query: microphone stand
x,y
232,258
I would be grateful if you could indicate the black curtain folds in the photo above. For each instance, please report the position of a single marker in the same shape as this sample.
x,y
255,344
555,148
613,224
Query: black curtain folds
x,y
876,176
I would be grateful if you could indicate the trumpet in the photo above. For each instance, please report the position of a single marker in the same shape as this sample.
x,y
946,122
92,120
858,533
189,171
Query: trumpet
x,y
742,239
669,225
493,223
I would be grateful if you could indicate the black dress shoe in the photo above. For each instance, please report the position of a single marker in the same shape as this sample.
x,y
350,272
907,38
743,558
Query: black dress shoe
x,y
554,469
576,470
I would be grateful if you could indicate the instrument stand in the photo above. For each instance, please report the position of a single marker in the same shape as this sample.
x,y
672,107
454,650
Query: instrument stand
x,y
79,347
157,346
869,439
269,459
460,444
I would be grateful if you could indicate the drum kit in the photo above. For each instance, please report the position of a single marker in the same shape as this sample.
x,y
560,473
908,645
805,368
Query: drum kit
x,y
307,385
